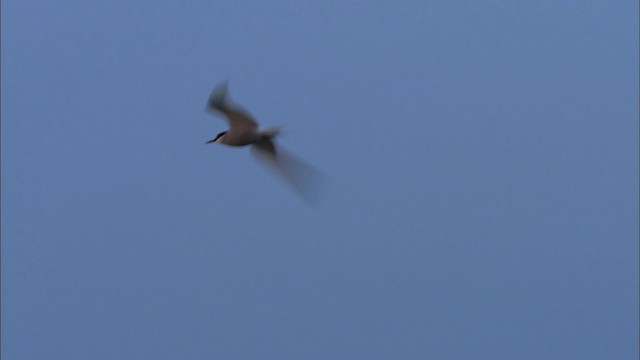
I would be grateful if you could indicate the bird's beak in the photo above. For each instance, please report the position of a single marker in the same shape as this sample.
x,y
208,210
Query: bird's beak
x,y
210,141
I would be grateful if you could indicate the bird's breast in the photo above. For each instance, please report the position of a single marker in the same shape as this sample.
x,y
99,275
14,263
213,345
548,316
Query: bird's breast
x,y
239,137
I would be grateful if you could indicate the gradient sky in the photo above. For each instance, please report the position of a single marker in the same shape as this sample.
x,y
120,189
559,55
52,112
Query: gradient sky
x,y
480,197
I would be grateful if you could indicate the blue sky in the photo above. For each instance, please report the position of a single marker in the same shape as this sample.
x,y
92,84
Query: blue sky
x,y
480,198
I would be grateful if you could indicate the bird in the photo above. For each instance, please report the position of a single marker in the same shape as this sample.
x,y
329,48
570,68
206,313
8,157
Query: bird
x,y
245,131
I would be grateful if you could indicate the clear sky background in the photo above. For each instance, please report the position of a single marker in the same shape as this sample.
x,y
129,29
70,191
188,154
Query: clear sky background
x,y
480,197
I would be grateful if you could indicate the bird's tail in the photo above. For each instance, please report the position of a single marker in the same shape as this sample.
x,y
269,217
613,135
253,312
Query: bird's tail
x,y
270,133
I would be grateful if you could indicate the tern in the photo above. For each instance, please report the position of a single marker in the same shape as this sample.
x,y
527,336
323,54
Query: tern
x,y
245,131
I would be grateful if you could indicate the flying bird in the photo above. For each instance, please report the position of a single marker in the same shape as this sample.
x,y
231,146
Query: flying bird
x,y
245,131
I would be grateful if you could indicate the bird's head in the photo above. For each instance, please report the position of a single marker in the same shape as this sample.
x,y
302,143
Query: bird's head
x,y
217,138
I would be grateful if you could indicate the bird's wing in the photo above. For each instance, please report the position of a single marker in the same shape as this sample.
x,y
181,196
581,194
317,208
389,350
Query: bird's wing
x,y
266,147
303,178
237,117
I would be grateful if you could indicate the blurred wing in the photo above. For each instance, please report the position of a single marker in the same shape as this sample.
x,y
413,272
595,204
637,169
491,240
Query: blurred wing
x,y
237,117
303,178
266,147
